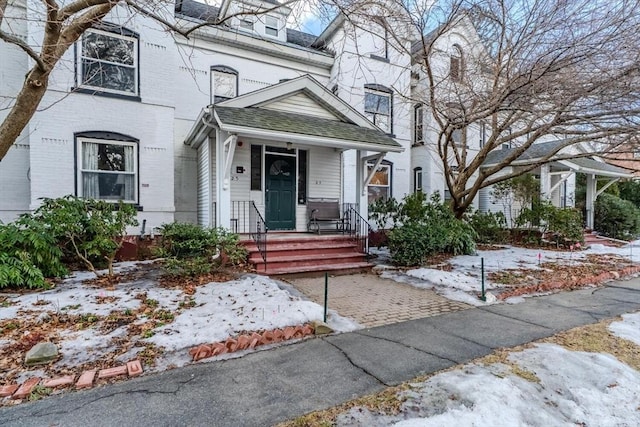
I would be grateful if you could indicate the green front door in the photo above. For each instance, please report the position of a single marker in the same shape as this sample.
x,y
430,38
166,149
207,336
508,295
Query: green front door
x,y
280,186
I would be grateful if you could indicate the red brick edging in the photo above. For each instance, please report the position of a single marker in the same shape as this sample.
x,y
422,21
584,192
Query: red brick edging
x,y
85,380
246,341
583,281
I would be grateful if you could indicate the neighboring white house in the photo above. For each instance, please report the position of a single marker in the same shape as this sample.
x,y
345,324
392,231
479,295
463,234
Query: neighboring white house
x,y
250,113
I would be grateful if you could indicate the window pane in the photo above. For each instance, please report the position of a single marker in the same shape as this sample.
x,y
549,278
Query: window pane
x,y
106,48
111,158
256,167
108,186
382,121
376,103
376,193
224,84
108,76
302,177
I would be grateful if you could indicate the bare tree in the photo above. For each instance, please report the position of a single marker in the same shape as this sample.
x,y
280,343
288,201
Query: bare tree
x,y
538,70
63,24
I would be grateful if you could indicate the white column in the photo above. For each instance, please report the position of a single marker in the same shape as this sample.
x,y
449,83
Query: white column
x,y
545,182
591,199
223,193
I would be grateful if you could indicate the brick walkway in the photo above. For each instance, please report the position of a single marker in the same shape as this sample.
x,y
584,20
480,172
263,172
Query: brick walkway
x,y
372,301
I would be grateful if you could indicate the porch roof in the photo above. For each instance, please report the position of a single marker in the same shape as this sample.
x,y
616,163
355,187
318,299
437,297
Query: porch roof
x,y
303,129
588,165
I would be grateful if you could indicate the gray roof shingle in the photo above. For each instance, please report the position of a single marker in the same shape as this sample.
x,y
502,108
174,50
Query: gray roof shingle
x,y
534,152
207,13
260,118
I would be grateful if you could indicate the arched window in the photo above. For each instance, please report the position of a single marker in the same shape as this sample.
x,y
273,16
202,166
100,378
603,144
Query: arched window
x,y
224,83
456,63
107,166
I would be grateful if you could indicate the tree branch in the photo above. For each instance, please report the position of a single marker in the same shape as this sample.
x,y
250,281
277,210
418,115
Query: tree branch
x,y
11,39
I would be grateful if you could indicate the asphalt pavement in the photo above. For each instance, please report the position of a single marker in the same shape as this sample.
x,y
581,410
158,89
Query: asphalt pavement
x,y
266,387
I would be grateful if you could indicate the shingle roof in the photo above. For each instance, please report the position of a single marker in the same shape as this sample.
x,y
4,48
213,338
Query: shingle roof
x,y
278,121
205,12
534,152
587,163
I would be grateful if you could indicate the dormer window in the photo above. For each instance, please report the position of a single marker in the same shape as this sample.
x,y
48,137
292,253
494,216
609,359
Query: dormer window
x,y
246,23
271,26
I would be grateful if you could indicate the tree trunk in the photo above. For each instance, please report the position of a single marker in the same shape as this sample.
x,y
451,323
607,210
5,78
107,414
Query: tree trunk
x,y
27,101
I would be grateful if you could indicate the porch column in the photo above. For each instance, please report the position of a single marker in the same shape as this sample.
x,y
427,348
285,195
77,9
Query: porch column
x,y
223,193
361,198
591,199
545,182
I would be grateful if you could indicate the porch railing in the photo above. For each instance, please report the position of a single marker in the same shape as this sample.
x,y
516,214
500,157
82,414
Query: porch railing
x,y
356,226
258,231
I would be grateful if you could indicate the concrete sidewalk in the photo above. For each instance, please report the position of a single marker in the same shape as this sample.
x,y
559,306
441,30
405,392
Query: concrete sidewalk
x,y
270,386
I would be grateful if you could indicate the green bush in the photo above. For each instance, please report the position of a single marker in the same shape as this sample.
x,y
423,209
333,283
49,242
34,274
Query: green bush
x,y
28,254
192,250
427,229
89,230
490,227
384,212
564,224
630,190
617,218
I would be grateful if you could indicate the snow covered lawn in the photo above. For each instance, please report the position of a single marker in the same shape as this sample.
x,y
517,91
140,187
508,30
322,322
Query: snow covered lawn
x,y
98,327
508,267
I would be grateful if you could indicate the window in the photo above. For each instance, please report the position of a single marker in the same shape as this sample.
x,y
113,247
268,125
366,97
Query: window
x,y
377,106
381,40
107,168
418,124
483,134
256,167
224,83
380,185
246,23
271,26
417,179
457,136
302,177
456,64
109,61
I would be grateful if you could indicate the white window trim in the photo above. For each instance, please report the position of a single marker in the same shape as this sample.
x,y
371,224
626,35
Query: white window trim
x,y
417,183
80,170
213,86
373,116
388,186
135,66
275,28
418,125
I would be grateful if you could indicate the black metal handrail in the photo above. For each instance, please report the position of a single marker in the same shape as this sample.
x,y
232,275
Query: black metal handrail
x,y
357,227
258,231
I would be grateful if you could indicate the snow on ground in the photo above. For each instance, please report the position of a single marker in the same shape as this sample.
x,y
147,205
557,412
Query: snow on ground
x,y
628,328
572,388
464,283
215,312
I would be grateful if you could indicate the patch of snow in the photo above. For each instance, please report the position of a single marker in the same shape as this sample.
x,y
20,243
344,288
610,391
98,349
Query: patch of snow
x,y
628,328
227,309
87,345
575,388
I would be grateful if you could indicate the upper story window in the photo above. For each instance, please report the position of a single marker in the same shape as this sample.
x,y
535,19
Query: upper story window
x,y
108,61
456,66
224,83
418,124
380,185
271,25
246,23
378,106
458,137
107,168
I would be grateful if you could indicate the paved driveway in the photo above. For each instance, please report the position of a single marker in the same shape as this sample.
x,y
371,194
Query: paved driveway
x,y
373,301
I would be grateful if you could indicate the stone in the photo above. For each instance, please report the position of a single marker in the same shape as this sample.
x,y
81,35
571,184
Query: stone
x,y
321,328
43,318
41,353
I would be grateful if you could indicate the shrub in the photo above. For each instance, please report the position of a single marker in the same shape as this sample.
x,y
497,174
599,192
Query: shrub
x,y
28,254
192,250
383,212
490,227
564,224
89,230
428,229
615,217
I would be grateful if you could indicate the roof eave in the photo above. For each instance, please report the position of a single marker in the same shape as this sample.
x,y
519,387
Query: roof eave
x,y
199,130
311,140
